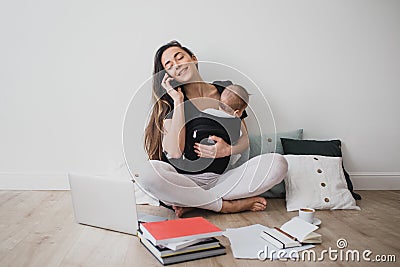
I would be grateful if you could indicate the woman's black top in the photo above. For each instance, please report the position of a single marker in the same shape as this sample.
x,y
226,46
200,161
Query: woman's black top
x,y
199,126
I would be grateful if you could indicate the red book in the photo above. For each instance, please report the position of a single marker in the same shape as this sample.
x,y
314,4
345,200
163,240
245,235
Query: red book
x,y
161,233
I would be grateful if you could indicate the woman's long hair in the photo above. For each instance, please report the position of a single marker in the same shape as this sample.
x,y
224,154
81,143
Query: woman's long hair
x,y
161,107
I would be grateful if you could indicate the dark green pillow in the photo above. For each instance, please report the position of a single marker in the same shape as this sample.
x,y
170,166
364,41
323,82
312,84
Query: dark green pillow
x,y
329,148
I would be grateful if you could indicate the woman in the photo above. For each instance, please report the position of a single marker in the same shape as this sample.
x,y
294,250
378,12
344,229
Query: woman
x,y
179,96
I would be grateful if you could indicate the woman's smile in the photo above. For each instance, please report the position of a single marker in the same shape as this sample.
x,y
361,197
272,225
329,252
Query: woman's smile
x,y
183,71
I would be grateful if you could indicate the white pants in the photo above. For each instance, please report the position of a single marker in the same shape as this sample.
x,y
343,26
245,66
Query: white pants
x,y
253,178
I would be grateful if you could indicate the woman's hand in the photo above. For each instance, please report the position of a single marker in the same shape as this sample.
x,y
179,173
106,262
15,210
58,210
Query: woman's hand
x,y
176,95
219,150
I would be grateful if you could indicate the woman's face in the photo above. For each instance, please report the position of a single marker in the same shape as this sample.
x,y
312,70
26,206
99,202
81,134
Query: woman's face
x,y
179,64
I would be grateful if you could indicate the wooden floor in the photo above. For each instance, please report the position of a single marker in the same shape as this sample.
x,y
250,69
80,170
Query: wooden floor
x,y
37,228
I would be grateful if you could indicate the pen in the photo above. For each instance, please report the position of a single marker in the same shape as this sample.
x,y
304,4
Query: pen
x,y
283,232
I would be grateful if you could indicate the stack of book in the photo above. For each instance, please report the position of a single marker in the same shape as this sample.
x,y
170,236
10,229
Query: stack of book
x,y
181,240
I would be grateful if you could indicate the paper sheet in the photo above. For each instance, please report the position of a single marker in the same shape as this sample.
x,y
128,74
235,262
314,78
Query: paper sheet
x,y
246,243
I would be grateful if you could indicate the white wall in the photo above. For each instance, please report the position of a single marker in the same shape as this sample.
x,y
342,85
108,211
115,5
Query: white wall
x,y
69,68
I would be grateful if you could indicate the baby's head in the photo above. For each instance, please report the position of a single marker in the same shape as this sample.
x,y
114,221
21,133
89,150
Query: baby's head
x,y
234,100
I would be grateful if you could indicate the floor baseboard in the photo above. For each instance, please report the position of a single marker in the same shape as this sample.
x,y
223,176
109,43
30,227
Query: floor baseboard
x,y
33,181
59,181
375,180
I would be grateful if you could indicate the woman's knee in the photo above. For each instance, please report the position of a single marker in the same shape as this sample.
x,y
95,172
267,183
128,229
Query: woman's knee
x,y
278,165
280,160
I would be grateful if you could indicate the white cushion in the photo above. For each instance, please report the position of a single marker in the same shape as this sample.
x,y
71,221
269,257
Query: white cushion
x,y
316,182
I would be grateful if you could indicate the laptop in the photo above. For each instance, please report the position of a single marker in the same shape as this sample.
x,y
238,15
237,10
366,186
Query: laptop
x,y
106,203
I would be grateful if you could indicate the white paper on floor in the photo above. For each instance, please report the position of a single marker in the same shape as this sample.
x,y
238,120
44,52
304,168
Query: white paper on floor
x,y
246,243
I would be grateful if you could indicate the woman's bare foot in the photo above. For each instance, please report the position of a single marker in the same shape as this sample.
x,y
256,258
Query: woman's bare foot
x,y
179,211
250,203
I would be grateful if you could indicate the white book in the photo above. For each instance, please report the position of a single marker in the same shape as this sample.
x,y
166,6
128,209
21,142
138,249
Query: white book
x,y
292,234
183,244
302,231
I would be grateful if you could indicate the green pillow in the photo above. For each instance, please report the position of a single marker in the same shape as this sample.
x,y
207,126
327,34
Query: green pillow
x,y
269,143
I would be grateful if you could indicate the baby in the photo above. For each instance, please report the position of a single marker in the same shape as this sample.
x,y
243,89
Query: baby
x,y
234,100
223,122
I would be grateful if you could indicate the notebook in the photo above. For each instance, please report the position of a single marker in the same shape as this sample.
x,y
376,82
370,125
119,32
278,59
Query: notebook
x,y
106,203
292,234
